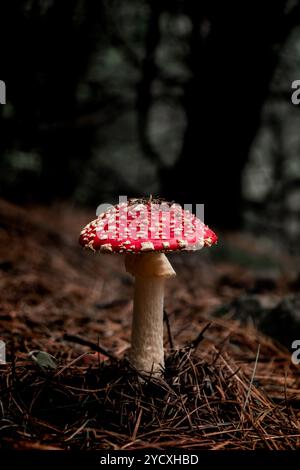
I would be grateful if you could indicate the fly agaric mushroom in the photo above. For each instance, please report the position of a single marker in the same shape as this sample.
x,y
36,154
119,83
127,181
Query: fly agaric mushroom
x,y
144,230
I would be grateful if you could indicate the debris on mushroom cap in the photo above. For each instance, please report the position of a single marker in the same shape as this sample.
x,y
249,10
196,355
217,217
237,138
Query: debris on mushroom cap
x,y
143,226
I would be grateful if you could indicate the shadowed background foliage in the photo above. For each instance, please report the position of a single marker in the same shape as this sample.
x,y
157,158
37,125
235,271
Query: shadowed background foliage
x,y
189,100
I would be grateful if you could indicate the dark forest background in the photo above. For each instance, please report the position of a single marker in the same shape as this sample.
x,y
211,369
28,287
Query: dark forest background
x,y
190,100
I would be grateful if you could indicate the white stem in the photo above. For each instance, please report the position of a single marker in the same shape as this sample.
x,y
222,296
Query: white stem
x,y
147,349
150,271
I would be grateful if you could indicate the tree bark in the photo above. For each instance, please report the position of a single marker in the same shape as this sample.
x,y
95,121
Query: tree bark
x,y
232,61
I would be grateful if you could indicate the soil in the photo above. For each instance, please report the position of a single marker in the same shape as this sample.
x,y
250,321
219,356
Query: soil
x,y
232,387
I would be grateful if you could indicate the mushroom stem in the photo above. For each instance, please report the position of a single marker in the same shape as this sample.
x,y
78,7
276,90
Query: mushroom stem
x,y
147,349
150,271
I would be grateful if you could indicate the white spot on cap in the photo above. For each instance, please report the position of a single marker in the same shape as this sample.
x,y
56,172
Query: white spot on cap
x,y
107,248
147,246
91,246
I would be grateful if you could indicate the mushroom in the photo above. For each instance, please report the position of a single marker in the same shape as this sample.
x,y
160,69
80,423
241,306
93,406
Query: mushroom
x,y
144,230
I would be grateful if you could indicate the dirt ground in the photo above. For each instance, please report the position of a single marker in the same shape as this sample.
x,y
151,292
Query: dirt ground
x,y
236,389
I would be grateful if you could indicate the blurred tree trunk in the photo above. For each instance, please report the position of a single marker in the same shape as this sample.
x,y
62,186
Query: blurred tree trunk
x,y
49,50
148,75
232,60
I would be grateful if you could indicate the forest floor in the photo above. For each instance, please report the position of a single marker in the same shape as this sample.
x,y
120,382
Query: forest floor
x,y
230,388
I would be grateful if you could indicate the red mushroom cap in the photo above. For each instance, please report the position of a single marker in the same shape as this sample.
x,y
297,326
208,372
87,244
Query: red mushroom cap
x,y
140,226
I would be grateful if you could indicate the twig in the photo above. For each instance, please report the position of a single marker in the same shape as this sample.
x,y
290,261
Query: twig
x,y
166,319
195,343
81,428
252,378
71,364
137,425
90,344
